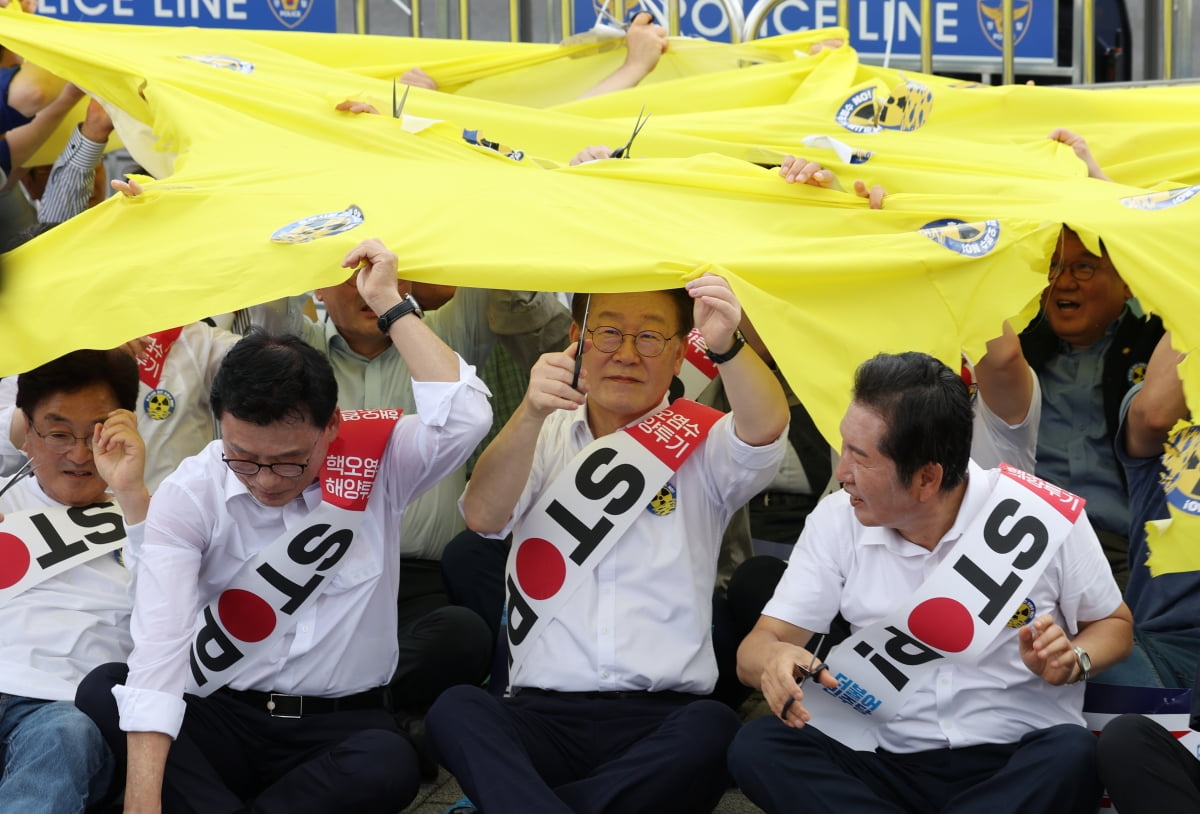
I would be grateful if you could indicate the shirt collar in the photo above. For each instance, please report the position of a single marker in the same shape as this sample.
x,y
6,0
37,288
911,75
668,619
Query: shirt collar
x,y
582,432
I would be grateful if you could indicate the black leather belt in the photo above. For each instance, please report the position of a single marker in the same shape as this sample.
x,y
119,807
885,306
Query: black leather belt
x,y
780,500
619,695
283,705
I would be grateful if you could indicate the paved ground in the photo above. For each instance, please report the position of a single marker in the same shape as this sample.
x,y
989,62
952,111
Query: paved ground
x,y
436,797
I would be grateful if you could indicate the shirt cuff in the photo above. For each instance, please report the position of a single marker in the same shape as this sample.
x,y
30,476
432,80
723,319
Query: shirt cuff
x,y
149,710
81,152
434,400
135,538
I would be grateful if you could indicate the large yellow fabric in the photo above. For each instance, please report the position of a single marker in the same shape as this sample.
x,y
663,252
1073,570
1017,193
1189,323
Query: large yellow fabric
x,y
827,281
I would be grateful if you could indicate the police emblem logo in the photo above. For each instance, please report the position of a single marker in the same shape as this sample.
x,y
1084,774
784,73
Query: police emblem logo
x,y
907,108
1164,199
290,12
664,502
991,20
967,239
1024,614
1181,470
308,229
159,404
221,61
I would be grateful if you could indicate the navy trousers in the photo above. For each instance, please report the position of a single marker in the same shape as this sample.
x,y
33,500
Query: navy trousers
x,y
232,757
562,753
1146,770
1049,770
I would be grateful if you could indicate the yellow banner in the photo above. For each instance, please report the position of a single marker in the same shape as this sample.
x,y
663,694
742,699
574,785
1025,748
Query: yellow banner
x,y
255,155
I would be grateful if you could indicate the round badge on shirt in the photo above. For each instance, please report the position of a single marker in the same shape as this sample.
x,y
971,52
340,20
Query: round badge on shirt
x,y
665,502
159,404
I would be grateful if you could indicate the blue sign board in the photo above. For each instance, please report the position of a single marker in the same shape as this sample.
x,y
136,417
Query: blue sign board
x,y
968,30
299,15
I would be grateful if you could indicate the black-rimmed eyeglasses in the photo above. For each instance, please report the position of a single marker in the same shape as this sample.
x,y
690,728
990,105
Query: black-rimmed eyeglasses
x,y
285,469
1081,270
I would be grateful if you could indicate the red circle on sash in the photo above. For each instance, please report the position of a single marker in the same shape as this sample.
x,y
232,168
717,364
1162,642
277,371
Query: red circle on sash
x,y
943,623
246,616
540,568
14,560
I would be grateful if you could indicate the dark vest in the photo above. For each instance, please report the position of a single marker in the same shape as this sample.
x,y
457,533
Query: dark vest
x,y
1131,347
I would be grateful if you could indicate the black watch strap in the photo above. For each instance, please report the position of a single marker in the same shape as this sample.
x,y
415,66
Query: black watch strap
x,y
719,358
406,306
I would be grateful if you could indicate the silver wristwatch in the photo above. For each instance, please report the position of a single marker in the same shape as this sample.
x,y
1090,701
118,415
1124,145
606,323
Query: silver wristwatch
x,y
1085,664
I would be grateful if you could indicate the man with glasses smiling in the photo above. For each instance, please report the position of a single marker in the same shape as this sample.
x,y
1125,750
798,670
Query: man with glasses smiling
x,y
617,501
265,582
64,602
1088,348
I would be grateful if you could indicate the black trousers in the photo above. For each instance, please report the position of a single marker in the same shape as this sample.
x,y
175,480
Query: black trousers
x,y
231,756
1146,770
571,753
440,644
1049,771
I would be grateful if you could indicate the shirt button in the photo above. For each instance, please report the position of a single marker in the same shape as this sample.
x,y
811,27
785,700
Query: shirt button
x,y
604,674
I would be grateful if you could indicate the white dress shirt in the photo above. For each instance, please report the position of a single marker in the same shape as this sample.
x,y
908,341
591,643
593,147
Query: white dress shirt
x,y
58,631
470,323
643,621
868,572
203,526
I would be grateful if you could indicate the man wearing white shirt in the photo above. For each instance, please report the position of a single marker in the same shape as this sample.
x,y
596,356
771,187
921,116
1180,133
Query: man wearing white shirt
x,y
64,601
978,601
611,637
440,644
285,709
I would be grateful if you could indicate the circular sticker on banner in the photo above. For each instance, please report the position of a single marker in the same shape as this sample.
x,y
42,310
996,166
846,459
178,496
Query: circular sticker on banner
x,y
1024,614
541,569
245,615
859,114
14,560
159,404
1181,470
943,623
1161,200
221,61
967,239
907,107
317,226
665,502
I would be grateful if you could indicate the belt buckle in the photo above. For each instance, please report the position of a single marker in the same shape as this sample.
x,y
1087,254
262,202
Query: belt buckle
x,y
271,705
